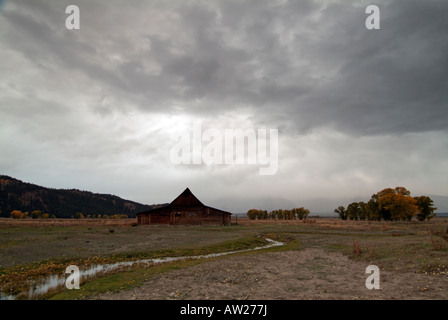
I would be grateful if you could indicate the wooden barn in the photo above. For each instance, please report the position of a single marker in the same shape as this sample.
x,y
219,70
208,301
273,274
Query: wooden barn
x,y
186,209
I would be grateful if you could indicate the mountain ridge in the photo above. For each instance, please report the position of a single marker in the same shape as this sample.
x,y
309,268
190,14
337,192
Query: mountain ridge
x,y
63,203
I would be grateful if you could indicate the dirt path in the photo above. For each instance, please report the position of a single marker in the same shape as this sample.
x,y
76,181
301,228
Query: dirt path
x,y
294,275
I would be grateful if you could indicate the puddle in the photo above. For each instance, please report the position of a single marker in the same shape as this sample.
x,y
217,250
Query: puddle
x,y
40,288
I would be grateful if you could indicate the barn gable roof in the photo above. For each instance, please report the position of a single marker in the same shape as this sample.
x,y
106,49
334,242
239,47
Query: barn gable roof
x,y
186,199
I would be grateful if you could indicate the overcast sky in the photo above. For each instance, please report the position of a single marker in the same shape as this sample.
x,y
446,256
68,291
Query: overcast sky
x,y
356,110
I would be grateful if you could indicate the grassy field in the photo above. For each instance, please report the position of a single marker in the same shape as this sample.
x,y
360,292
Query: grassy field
x,y
33,248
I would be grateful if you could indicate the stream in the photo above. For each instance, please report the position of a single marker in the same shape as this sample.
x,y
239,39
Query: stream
x,y
39,288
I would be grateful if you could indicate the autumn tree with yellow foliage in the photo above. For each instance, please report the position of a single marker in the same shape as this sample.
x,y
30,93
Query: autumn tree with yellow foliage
x,y
280,214
390,205
399,205
17,214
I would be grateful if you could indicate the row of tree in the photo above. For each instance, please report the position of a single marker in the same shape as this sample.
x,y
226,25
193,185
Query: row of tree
x,y
281,214
79,215
38,214
390,205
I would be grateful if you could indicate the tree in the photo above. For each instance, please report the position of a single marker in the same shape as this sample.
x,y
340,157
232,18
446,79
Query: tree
x,y
264,214
287,214
363,210
389,204
395,204
252,214
373,210
353,211
36,214
342,213
45,216
384,214
383,192
403,191
425,208
398,206
279,214
79,215
302,213
17,214
306,213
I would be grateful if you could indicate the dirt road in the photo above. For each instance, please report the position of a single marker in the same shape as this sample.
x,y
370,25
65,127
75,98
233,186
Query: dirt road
x,y
312,273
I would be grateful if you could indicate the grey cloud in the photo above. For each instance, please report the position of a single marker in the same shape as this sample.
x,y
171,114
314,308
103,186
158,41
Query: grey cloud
x,y
332,72
391,80
299,66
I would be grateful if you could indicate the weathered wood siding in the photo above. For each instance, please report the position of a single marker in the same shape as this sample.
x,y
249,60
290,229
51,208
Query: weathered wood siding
x,y
185,217
214,216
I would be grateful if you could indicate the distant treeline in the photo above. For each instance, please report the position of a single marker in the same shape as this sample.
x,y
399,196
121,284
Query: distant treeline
x,y
390,205
38,214
280,214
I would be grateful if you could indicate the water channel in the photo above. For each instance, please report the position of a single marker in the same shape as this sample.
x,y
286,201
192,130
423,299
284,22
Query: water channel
x,y
39,288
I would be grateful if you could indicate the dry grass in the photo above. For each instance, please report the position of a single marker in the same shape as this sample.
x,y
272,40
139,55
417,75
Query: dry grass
x,y
356,248
437,244
65,222
393,246
327,223
443,233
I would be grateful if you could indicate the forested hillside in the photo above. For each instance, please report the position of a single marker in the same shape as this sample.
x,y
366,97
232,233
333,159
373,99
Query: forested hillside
x,y
27,197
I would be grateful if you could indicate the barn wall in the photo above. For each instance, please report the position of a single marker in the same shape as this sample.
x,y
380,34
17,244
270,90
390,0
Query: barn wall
x,y
186,217
215,217
157,218
144,219
199,215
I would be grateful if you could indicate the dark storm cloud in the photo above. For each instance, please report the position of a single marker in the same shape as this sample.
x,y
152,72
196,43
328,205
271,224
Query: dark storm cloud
x,y
391,80
327,70
42,40
306,63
